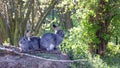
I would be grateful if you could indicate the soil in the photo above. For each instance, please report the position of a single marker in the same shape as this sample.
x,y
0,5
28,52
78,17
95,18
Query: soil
x,y
11,57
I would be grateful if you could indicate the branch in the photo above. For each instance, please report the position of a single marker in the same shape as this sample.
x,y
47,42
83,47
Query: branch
x,y
41,19
27,17
11,51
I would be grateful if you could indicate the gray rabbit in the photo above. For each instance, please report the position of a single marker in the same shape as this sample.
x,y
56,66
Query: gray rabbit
x,y
28,43
51,41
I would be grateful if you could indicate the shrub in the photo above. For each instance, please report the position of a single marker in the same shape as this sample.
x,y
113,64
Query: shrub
x,y
75,46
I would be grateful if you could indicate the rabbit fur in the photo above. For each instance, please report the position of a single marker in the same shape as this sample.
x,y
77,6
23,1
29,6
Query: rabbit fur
x,y
48,41
51,41
27,43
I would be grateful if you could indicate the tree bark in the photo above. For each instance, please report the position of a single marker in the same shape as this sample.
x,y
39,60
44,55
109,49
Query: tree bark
x,y
68,21
103,18
116,40
65,19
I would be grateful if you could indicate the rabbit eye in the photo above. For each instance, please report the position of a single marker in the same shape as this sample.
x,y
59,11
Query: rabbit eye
x,y
61,33
24,39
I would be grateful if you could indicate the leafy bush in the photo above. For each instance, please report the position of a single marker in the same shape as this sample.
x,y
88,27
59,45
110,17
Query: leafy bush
x,y
96,62
112,57
75,46
113,50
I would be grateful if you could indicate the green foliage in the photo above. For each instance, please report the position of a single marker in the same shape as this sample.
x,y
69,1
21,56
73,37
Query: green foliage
x,y
73,44
76,49
86,25
99,20
96,62
83,13
112,55
16,14
113,50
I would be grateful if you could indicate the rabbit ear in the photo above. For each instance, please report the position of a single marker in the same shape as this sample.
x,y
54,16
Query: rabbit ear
x,y
28,26
56,28
27,34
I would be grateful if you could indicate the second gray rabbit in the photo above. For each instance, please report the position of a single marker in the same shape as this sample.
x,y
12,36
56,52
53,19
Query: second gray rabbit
x,y
51,41
28,43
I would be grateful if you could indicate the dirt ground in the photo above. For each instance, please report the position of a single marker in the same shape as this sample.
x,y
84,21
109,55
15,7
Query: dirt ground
x,y
10,57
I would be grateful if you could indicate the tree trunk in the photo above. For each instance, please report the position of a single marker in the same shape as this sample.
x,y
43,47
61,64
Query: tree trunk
x,y
68,21
103,42
0,37
65,19
116,40
102,19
